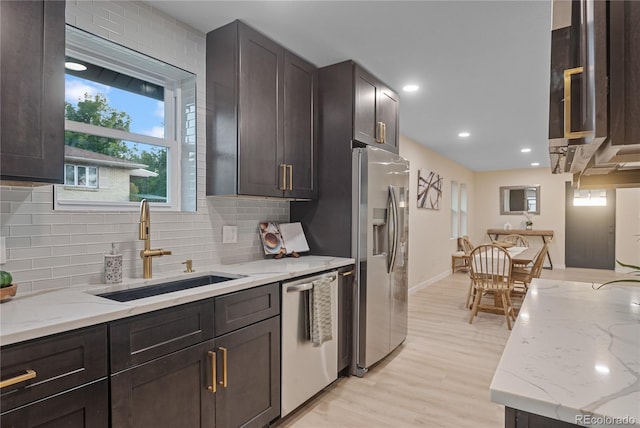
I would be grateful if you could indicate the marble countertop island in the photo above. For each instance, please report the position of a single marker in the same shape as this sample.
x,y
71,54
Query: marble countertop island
x,y
574,355
41,314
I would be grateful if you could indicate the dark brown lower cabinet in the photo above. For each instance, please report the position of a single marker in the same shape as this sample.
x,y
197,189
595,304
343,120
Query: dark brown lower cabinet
x,y
249,369
514,418
83,407
175,390
170,391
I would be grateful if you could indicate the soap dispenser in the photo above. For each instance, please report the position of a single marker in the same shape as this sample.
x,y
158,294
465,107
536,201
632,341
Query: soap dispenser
x,y
113,266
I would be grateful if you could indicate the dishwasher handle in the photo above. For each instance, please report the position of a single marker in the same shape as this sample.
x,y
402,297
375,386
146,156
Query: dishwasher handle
x,y
300,287
306,286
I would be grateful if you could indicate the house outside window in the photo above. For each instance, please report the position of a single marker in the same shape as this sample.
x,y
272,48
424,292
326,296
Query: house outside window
x,y
80,176
129,129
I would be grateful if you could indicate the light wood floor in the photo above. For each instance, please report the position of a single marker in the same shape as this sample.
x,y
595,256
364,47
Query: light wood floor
x,y
439,377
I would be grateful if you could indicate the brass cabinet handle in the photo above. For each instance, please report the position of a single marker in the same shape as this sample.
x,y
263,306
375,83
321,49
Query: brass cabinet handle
x,y
283,185
379,133
223,382
349,273
384,133
212,388
30,374
567,105
290,176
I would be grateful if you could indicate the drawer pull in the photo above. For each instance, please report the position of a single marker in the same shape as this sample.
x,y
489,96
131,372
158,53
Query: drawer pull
x,y
349,273
212,388
223,382
30,374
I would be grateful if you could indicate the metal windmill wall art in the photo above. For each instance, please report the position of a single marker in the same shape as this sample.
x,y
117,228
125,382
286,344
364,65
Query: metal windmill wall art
x,y
429,189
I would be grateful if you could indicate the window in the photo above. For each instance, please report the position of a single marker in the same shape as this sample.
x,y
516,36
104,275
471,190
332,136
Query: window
x,y
80,176
463,209
590,198
129,128
454,210
459,209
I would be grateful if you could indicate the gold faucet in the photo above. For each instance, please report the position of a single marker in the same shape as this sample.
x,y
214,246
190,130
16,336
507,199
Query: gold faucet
x,y
145,234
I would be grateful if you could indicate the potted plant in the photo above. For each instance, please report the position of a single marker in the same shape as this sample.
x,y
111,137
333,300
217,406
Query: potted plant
x,y
7,287
528,223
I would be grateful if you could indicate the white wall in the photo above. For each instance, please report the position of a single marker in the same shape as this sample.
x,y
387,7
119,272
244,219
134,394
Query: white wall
x,y
552,205
48,249
430,244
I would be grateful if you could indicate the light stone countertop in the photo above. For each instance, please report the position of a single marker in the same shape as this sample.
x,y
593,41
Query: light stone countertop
x,y
574,355
41,314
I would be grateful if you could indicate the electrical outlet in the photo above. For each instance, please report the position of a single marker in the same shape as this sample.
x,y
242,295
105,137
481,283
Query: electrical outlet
x,y
3,250
229,234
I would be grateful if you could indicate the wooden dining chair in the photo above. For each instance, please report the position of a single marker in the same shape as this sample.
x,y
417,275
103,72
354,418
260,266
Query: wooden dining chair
x,y
490,271
462,255
516,240
524,275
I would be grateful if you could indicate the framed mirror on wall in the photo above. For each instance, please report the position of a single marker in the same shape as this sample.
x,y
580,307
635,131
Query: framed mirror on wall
x,y
517,199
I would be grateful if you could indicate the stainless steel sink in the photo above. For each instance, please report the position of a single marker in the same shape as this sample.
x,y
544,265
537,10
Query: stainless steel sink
x,y
164,288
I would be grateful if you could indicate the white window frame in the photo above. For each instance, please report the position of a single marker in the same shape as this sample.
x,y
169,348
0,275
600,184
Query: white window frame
x,y
75,175
113,59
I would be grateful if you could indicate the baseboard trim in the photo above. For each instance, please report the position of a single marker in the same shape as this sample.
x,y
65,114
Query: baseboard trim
x,y
429,281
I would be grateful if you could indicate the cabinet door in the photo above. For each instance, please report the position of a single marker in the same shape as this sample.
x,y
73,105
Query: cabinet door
x,y
365,127
300,81
170,391
388,107
251,395
86,407
32,87
261,140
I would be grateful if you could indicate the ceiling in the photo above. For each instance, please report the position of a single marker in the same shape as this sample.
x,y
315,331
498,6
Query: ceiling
x,y
482,66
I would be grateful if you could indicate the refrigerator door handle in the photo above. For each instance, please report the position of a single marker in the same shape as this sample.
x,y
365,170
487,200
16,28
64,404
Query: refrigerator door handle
x,y
393,229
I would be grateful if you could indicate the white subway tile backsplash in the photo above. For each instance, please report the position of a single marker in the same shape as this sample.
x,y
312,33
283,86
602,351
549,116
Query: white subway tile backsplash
x,y
29,253
30,230
68,229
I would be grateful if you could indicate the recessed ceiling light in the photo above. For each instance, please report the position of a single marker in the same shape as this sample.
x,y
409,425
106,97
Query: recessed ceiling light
x,y
464,134
525,150
75,66
410,88
535,163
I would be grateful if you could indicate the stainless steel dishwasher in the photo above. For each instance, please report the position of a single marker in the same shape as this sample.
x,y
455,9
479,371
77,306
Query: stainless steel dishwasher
x,y
306,368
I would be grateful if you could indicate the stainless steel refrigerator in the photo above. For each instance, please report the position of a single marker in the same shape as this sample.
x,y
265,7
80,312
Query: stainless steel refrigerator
x,y
362,212
380,186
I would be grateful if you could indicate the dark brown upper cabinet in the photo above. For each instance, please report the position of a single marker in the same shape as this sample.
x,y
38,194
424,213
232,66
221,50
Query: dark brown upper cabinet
x,y
261,109
32,47
595,79
376,109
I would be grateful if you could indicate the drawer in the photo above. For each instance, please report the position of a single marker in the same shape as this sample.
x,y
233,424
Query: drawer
x,y
84,407
145,337
240,309
60,362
